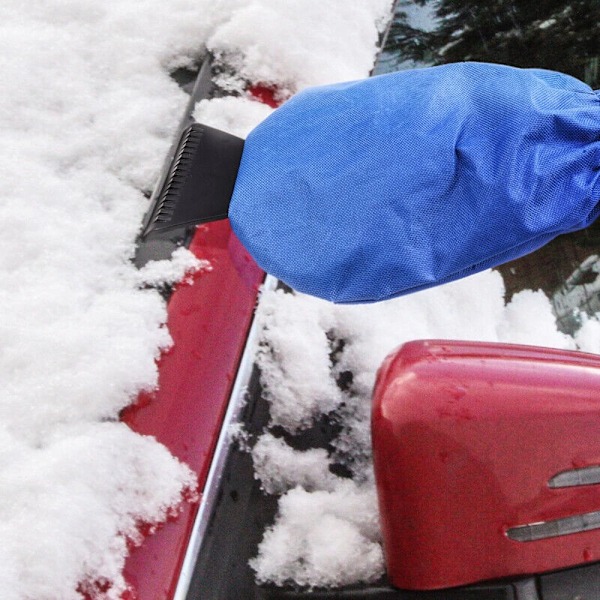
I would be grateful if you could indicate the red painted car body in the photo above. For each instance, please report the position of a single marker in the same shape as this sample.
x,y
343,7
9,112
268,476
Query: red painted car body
x,y
208,319
466,439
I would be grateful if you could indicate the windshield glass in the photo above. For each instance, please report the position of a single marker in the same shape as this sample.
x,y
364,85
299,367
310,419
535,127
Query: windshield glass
x,y
548,34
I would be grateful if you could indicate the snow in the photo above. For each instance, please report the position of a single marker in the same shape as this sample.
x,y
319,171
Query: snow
x,y
292,44
235,115
86,116
182,263
281,468
323,539
74,503
326,530
588,336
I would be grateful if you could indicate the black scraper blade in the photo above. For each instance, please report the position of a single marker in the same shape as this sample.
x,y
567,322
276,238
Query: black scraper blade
x,y
199,183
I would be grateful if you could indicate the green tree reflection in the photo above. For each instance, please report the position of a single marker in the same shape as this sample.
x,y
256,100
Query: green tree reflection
x,y
551,34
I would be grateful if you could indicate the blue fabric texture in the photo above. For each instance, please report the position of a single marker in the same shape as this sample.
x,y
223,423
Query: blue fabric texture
x,y
362,191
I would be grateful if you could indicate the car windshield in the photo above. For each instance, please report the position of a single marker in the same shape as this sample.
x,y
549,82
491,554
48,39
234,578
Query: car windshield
x,y
549,34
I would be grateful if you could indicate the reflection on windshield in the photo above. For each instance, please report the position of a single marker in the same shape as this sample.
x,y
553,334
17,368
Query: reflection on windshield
x,y
549,34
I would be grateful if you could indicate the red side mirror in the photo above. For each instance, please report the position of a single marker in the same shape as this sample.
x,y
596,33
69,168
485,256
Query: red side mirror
x,y
487,461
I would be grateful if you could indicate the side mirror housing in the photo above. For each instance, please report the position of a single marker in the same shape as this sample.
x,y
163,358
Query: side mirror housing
x,y
487,461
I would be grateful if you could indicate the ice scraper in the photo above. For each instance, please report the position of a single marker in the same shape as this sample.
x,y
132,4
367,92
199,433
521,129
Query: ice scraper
x,y
362,191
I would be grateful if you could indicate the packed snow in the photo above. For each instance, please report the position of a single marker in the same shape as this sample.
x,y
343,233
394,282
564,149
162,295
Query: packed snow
x,y
87,114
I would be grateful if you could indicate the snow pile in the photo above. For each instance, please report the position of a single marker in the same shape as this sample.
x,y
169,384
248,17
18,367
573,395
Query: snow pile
x,y
325,533
291,44
323,538
86,116
81,130
69,507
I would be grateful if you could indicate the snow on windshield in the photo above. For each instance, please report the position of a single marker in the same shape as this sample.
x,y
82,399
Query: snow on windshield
x,y
326,533
314,501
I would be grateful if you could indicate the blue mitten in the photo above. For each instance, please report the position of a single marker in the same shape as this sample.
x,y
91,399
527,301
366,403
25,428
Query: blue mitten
x,y
362,191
